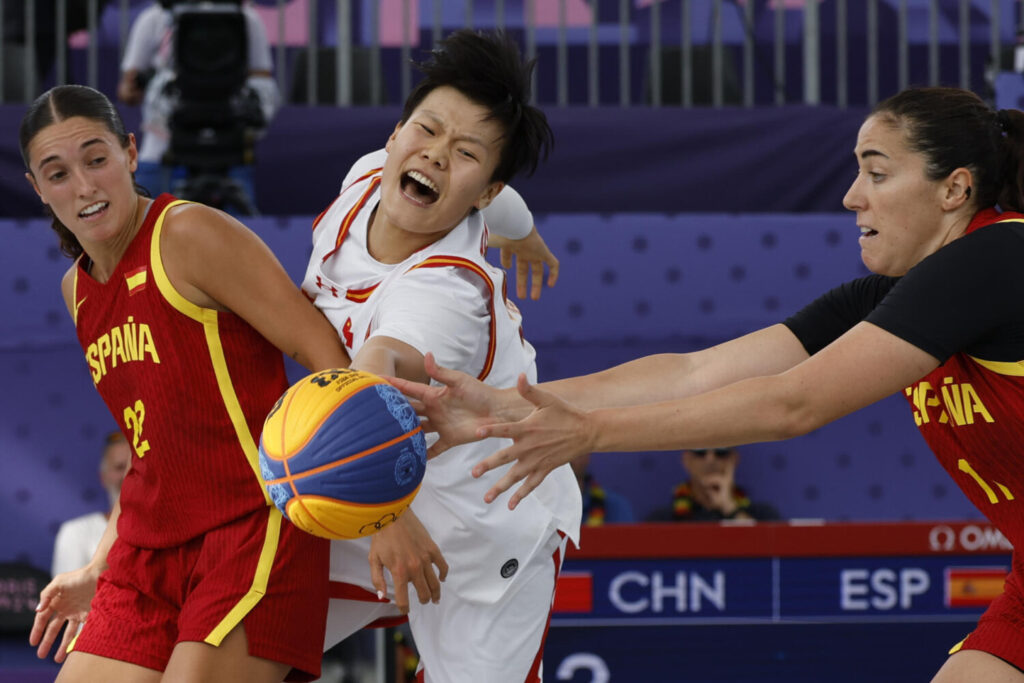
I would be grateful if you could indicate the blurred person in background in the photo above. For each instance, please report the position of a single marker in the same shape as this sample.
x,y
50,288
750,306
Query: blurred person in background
x,y
710,493
600,505
78,538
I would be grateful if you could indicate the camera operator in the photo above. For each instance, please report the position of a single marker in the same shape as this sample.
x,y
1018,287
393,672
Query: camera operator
x,y
148,71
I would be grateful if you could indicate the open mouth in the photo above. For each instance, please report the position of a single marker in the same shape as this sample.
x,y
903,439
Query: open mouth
x,y
867,232
419,188
93,209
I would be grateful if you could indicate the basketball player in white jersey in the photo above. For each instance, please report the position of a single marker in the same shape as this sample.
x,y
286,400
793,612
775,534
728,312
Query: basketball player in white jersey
x,y
398,267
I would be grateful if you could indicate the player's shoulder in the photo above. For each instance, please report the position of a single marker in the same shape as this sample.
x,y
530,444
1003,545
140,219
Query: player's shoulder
x,y
448,277
989,252
190,229
194,221
364,167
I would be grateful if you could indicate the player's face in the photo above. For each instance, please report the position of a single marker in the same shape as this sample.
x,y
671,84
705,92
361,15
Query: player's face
x,y
439,165
899,210
79,168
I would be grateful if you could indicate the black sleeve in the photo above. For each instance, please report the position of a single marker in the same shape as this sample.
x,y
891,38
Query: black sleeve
x,y
829,316
965,297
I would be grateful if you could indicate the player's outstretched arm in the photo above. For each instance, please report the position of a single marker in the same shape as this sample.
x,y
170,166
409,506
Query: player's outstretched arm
x,y
461,405
863,366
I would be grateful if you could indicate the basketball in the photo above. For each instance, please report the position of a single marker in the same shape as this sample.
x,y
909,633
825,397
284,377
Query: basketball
x,y
342,454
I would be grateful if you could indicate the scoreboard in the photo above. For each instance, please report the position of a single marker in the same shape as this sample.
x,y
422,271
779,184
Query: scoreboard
x,y
770,601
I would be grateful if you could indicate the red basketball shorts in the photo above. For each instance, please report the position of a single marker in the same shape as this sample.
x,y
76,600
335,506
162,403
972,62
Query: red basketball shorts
x,y
259,571
1000,630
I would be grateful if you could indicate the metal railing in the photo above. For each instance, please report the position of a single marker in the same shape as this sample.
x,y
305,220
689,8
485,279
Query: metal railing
x,y
590,52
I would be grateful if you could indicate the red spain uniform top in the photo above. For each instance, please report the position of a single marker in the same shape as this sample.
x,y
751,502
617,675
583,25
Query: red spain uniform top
x,y
971,412
189,387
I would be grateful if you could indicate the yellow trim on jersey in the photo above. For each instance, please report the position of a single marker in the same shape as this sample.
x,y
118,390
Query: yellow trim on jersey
x,y
956,648
1012,368
163,283
71,645
259,581
208,318
74,293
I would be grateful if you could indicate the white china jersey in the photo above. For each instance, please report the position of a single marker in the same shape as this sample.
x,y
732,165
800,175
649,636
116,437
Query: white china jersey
x,y
446,299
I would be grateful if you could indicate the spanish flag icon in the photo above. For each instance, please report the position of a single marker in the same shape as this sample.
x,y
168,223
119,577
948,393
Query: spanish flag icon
x,y
973,586
136,280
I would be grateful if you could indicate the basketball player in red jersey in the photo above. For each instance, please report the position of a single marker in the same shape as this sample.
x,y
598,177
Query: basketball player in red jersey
x,y
940,321
183,314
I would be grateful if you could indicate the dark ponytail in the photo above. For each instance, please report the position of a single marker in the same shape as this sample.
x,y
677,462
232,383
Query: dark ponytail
x,y
1011,126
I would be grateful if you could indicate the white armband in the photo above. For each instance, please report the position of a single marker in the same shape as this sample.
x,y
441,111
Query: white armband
x,y
508,215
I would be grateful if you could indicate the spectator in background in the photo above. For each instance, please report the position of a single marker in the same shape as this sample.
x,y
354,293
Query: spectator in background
x,y
148,68
711,494
600,506
78,538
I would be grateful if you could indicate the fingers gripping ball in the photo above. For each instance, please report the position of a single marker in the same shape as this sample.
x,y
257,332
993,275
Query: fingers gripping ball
x,y
342,454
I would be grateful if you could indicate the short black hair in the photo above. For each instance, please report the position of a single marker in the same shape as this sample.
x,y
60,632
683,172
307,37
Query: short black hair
x,y
487,68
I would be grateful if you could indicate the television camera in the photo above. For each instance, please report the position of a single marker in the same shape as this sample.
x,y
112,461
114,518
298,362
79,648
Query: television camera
x,y
215,117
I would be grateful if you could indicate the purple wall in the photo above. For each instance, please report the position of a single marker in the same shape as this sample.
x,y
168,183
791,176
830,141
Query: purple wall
x,y
631,284
785,159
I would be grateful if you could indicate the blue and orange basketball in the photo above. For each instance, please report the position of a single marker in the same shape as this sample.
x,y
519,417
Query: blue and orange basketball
x,y
342,454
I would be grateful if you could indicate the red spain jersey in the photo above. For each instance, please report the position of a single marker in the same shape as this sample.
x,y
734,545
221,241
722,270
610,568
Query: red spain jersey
x,y
971,412
189,387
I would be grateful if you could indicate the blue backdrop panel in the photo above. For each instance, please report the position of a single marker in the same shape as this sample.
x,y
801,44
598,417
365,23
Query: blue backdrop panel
x,y
785,159
631,284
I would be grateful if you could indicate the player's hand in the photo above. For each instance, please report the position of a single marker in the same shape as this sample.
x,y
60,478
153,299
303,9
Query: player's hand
x,y
406,550
64,601
552,435
455,410
531,255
